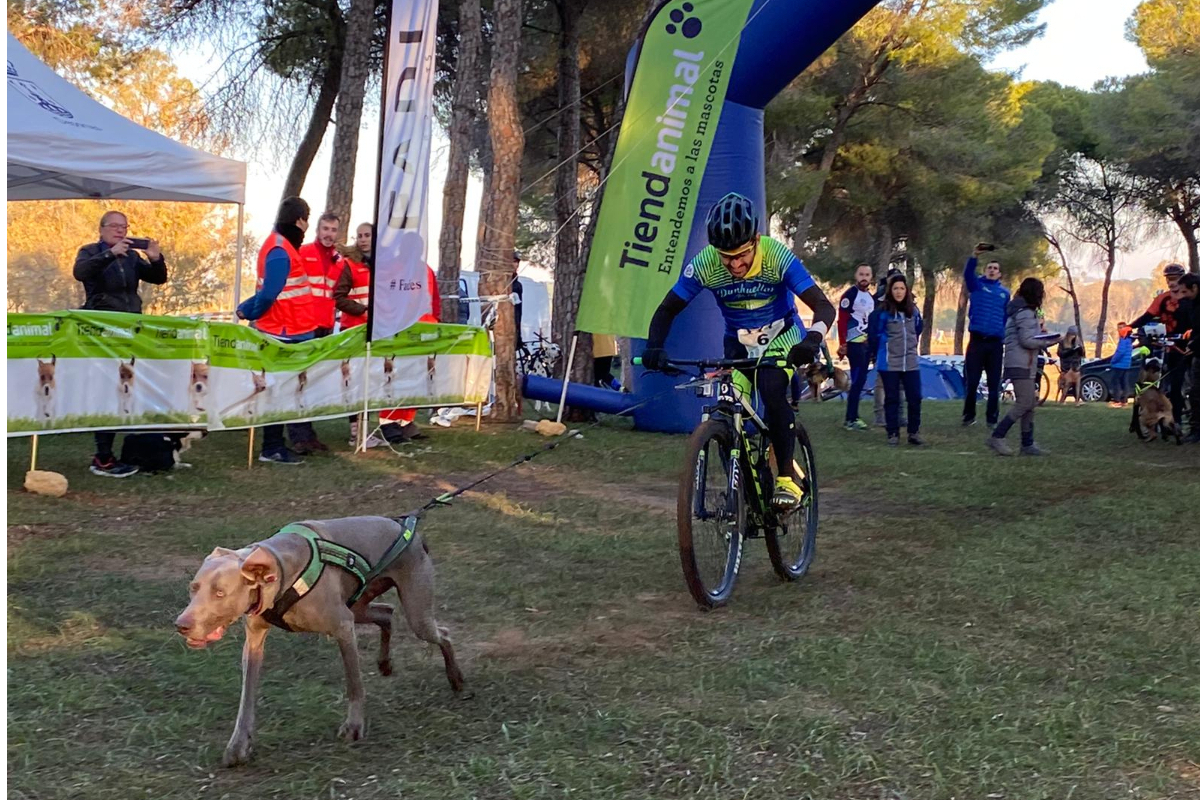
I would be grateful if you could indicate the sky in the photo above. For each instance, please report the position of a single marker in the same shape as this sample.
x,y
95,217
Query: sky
x,y
1084,42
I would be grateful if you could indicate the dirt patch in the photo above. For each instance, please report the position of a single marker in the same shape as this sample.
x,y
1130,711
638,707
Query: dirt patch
x,y
146,564
19,534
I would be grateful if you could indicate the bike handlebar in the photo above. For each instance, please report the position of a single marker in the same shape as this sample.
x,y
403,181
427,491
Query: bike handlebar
x,y
723,363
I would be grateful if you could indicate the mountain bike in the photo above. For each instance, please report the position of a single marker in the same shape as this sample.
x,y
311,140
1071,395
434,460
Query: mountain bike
x,y
727,483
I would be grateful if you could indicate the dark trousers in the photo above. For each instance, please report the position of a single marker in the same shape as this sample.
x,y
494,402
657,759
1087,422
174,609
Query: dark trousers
x,y
1123,380
104,444
272,439
911,381
1194,395
985,354
860,364
272,435
1176,369
771,384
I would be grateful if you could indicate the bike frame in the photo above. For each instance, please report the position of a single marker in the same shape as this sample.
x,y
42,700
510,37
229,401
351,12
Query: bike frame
x,y
748,456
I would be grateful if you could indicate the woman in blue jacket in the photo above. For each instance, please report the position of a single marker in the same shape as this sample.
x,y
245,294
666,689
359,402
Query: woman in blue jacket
x,y
895,333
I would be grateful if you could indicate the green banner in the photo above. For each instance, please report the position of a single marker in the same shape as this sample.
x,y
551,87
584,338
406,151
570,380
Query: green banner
x,y
96,370
670,120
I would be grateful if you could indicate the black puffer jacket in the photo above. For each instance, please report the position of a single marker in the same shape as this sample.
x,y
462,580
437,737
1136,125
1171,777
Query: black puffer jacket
x,y
110,282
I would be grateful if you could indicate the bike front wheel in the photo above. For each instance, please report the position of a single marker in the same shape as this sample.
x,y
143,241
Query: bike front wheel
x,y
1043,388
792,544
711,514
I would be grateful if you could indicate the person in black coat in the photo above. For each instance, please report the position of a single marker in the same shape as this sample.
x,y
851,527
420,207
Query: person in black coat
x,y
110,271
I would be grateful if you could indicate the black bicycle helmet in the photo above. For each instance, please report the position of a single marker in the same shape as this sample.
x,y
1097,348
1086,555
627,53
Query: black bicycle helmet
x,y
1173,270
732,222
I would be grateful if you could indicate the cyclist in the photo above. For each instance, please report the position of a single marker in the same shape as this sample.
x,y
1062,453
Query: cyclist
x,y
752,277
1164,308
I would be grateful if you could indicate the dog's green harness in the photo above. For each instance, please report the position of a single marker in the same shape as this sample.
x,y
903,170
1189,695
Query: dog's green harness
x,y
322,552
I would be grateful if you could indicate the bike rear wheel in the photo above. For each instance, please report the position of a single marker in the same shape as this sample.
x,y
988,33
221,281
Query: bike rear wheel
x,y
711,514
1043,388
793,543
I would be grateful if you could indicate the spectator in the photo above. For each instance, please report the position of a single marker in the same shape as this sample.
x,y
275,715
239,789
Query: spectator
x,y
1189,320
351,296
110,271
283,305
1023,341
1070,359
854,314
398,425
895,331
1121,365
519,291
985,351
323,264
1164,308
880,291
604,350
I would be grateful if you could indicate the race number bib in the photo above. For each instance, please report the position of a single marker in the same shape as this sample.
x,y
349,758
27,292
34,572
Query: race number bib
x,y
757,340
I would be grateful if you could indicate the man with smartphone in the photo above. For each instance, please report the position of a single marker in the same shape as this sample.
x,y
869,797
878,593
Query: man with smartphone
x,y
110,271
985,352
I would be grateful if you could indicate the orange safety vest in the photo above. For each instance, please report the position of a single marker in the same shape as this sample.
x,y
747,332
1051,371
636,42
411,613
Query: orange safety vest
x,y
323,272
360,292
292,313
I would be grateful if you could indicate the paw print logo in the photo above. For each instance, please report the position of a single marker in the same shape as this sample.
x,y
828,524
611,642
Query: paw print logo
x,y
681,22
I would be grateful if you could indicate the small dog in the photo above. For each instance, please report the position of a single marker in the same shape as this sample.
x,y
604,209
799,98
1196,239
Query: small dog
x,y
816,375
250,582
159,451
1152,411
347,397
301,385
125,387
258,391
198,387
45,388
389,376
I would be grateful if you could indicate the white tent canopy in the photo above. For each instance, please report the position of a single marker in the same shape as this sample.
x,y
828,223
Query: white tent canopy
x,y
63,145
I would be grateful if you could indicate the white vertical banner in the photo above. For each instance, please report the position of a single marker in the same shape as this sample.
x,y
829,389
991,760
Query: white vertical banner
x,y
400,294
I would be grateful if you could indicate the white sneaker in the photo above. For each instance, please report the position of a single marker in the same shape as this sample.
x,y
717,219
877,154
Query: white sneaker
x,y
374,441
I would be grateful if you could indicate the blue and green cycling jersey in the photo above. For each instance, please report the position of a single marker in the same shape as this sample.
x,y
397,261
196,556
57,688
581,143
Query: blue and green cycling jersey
x,y
756,300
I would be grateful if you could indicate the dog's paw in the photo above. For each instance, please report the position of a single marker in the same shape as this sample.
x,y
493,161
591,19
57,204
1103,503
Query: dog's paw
x,y
237,752
385,667
352,730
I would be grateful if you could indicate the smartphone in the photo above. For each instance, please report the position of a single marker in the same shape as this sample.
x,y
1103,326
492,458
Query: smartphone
x,y
138,244
985,246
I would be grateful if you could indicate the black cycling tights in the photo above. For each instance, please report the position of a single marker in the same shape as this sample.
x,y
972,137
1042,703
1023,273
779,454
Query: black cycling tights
x,y
772,386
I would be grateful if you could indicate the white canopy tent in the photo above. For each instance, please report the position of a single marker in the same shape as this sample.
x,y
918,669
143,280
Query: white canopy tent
x,y
64,145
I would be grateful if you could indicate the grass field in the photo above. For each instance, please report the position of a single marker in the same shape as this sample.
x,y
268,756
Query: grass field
x,y
973,627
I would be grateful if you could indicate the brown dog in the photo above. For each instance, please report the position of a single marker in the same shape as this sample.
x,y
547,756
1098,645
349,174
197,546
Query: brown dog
x,y
1152,409
1071,379
248,583
45,388
817,374
125,376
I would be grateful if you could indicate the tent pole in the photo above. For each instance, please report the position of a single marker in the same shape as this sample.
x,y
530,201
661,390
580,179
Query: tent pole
x,y
237,278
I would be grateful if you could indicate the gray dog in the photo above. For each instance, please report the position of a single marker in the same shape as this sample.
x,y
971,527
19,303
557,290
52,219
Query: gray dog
x,y
315,576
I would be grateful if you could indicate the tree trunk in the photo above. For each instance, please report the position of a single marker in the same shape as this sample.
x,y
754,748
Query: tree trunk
x,y
317,123
960,319
884,253
356,64
568,273
1070,287
928,305
1188,229
462,116
495,260
1111,252
836,136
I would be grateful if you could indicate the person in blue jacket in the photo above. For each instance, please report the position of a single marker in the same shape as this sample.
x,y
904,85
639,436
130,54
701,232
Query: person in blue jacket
x,y
1121,364
985,351
895,332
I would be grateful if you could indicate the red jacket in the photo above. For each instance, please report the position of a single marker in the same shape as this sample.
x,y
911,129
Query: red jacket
x,y
324,267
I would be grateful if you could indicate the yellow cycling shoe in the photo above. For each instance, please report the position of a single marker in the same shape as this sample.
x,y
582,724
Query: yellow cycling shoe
x,y
788,494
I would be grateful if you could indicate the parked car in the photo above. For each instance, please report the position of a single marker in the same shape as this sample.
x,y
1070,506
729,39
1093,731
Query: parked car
x,y
1097,379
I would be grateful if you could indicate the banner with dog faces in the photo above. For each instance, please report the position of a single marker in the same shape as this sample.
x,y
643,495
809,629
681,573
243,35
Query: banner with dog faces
x,y
96,370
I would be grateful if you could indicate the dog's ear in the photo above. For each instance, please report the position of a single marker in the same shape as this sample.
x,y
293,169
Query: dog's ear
x,y
260,567
132,359
220,551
